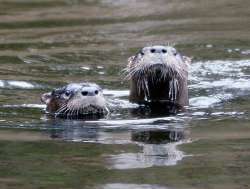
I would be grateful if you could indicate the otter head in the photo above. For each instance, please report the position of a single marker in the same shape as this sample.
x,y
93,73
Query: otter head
x,y
75,100
158,74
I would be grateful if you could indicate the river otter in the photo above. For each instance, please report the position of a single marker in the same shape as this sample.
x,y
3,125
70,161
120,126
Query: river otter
x,y
75,100
158,74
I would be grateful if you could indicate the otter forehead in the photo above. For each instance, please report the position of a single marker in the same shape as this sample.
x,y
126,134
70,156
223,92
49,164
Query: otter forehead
x,y
73,87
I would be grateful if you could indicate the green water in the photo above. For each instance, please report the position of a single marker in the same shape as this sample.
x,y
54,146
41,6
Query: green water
x,y
47,44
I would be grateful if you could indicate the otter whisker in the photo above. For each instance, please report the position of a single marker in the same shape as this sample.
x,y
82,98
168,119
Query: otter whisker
x,y
132,73
69,113
127,73
63,106
146,86
73,112
77,112
82,110
60,110
156,68
174,90
107,110
134,69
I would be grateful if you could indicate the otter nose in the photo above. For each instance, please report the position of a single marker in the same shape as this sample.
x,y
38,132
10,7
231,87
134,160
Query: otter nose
x,y
158,50
90,91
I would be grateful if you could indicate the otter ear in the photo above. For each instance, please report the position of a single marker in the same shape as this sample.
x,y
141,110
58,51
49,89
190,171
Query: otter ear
x,y
46,97
130,61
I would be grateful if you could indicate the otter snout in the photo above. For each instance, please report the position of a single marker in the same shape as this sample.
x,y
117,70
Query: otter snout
x,y
90,91
158,49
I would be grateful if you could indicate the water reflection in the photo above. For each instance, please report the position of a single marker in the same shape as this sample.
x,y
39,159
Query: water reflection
x,y
157,109
158,136
50,43
159,148
82,131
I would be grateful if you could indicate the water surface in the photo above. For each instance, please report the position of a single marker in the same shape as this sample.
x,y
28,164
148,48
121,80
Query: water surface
x,y
48,44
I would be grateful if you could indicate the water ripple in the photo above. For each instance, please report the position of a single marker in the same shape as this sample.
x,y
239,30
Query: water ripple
x,y
218,81
18,84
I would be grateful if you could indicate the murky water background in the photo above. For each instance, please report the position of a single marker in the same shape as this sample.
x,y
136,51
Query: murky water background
x,y
48,44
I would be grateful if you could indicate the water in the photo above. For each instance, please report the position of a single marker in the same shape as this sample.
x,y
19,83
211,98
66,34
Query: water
x,y
48,44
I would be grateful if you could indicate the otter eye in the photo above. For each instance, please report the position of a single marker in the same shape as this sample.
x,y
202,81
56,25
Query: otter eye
x,y
164,51
67,93
142,53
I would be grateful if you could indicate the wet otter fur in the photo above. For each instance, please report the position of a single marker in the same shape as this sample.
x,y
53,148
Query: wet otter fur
x,y
158,74
75,100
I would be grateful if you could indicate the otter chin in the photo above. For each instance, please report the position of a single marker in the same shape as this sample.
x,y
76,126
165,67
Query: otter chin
x,y
158,74
75,100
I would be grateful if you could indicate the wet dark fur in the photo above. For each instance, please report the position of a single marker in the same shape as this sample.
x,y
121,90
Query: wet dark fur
x,y
67,102
165,82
